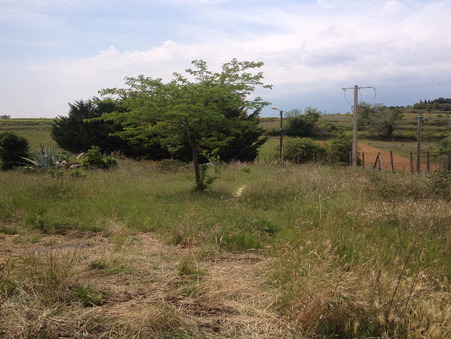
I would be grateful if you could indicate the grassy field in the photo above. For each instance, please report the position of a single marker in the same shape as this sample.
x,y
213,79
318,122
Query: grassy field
x,y
436,125
268,251
36,131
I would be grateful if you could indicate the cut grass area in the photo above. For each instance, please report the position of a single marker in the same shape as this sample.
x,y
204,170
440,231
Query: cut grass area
x,y
324,252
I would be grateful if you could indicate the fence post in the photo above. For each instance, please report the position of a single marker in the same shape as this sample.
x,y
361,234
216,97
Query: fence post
x,y
363,160
411,162
449,160
427,162
380,161
391,161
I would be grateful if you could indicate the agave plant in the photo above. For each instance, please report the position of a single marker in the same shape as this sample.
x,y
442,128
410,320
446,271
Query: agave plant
x,y
44,159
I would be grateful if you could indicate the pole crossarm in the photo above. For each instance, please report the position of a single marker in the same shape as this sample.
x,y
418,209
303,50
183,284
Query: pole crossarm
x,y
356,89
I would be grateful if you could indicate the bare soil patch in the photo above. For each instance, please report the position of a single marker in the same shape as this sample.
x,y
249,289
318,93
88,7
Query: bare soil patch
x,y
400,163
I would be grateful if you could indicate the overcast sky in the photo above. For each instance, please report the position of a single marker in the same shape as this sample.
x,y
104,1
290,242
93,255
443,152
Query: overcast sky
x,y
53,52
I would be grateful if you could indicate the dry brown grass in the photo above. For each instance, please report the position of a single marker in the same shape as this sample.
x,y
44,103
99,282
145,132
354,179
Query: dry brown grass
x,y
144,294
321,291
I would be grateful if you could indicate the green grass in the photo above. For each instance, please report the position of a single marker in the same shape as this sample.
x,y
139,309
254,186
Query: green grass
x,y
353,253
374,246
269,150
36,131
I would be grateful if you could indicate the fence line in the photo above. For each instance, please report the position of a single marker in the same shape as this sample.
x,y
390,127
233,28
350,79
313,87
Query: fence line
x,y
391,164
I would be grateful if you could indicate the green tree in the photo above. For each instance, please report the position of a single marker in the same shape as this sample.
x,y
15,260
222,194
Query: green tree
x,y
380,120
76,133
301,125
13,148
199,108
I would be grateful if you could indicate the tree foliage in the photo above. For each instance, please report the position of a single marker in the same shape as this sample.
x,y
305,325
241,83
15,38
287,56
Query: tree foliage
x,y
75,134
204,109
441,104
13,148
301,125
379,119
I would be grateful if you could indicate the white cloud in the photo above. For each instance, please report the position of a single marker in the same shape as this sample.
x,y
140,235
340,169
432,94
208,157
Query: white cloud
x,y
308,50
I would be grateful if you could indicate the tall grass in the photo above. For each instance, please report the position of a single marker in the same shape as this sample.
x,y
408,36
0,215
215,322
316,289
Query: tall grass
x,y
356,253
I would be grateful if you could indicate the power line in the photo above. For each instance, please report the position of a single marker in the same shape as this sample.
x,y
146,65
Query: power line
x,y
356,89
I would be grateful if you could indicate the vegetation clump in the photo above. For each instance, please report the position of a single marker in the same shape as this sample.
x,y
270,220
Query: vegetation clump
x,y
94,158
13,148
45,159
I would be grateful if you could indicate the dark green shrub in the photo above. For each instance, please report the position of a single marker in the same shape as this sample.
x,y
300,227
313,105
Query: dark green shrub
x,y
339,148
13,148
301,150
95,158
301,125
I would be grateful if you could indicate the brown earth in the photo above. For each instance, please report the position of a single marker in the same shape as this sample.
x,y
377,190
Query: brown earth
x,y
400,163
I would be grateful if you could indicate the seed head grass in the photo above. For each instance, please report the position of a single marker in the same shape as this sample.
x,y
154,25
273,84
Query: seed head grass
x,y
301,251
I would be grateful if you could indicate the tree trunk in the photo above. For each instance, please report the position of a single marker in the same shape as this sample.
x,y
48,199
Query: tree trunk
x,y
193,142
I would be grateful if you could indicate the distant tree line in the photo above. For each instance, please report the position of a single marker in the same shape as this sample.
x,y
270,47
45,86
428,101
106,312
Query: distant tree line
x,y
440,104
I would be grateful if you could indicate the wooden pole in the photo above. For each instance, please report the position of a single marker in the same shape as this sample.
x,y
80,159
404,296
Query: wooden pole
x,y
380,161
391,161
354,127
428,167
281,137
411,162
363,160
375,162
420,119
449,160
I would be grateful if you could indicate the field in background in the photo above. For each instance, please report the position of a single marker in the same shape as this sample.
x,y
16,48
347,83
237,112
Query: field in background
x,y
36,131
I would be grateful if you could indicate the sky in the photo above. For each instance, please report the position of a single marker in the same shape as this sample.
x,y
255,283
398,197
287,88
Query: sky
x,y
55,52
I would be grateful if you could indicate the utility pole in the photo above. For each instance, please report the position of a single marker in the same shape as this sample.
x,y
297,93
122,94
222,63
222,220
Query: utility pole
x,y
281,137
354,125
281,134
420,120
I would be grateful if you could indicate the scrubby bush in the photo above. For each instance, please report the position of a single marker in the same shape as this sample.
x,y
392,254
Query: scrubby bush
x,y
301,150
339,148
13,148
95,158
301,125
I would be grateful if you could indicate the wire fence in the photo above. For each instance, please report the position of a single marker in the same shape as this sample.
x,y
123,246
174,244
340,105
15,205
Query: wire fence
x,y
383,160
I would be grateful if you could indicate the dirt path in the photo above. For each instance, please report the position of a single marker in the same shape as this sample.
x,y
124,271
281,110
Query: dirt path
x,y
148,289
400,163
